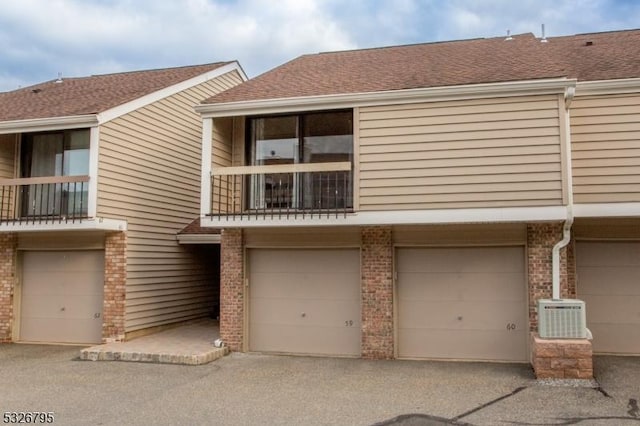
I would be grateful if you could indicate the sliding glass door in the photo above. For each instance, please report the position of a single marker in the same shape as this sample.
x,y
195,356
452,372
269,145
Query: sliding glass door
x,y
323,137
50,155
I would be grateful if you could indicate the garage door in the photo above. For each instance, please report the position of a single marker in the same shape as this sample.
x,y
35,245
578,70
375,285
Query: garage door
x,y
462,303
62,294
609,283
304,301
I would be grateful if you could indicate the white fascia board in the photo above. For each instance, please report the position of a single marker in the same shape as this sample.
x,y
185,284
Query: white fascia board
x,y
94,152
198,238
402,217
47,124
97,224
143,101
608,87
607,210
205,168
407,96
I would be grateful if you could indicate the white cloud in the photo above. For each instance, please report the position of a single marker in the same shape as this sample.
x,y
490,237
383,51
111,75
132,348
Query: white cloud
x,y
39,38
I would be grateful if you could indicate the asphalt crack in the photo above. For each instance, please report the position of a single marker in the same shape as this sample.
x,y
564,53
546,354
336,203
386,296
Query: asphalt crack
x,y
488,404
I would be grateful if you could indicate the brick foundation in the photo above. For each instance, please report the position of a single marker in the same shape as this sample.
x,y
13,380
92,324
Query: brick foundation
x,y
377,293
561,358
232,289
115,281
8,244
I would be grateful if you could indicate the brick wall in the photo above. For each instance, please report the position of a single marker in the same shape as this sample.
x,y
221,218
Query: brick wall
x,y
377,293
541,237
8,244
232,288
115,281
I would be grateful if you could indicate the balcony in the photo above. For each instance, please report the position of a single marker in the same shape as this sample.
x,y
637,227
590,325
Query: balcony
x,y
44,200
283,191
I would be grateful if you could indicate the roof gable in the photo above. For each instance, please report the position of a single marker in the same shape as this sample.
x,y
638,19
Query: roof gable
x,y
92,95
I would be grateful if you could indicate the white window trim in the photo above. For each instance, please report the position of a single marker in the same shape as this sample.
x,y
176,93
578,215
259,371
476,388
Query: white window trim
x,y
205,177
94,153
48,124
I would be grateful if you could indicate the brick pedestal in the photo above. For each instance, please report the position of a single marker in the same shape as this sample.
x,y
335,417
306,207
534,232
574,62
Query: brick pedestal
x,y
232,289
377,293
8,244
115,281
561,358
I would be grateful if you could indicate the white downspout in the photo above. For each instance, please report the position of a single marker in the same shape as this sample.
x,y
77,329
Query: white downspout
x,y
555,253
566,230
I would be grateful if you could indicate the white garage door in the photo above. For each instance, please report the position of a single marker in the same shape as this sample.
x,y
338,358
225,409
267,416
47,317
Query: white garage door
x,y
62,295
462,303
304,301
609,283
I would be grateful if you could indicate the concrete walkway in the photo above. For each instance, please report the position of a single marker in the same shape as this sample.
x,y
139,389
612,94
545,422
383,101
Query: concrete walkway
x,y
189,344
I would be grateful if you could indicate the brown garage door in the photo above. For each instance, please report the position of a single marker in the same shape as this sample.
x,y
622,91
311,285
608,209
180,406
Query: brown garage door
x,y
304,301
609,283
62,295
462,303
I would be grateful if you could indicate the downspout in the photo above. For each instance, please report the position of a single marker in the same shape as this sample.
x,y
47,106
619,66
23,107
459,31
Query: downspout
x,y
566,229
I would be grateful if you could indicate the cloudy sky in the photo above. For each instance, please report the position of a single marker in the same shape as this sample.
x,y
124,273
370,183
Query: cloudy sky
x,y
40,38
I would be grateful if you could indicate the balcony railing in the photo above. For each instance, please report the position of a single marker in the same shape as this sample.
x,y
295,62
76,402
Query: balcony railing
x,y
310,190
51,199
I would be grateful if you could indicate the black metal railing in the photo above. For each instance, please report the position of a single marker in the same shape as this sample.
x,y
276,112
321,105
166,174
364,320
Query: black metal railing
x,y
54,199
282,191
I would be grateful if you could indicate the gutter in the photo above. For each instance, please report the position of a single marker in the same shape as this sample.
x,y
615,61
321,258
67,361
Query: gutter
x,y
566,229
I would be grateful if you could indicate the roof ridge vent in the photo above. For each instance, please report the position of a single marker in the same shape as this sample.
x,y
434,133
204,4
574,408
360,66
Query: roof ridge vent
x,y
59,80
544,37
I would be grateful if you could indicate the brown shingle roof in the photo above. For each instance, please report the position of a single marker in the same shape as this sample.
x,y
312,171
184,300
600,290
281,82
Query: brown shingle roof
x,y
599,56
91,95
195,228
612,55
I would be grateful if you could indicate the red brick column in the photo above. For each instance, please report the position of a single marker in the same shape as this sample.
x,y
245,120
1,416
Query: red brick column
x,y
115,281
541,237
553,358
377,293
8,244
232,289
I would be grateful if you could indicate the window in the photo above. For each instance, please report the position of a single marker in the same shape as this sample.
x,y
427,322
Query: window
x,y
320,137
64,153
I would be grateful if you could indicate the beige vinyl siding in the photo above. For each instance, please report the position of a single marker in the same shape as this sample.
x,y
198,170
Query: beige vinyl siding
x,y
605,144
227,149
149,175
7,169
460,235
72,240
302,237
461,154
7,155
607,229
221,156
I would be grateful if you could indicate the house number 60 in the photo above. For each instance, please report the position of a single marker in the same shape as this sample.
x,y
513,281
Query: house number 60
x,y
511,326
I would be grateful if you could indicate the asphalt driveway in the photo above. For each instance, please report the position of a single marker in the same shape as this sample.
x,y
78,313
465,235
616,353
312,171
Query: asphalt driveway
x,y
275,390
